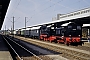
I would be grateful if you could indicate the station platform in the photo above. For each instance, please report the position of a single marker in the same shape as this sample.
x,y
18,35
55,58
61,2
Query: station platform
x,y
4,53
87,44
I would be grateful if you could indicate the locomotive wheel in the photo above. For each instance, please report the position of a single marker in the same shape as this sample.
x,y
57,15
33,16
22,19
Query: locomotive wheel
x,y
50,41
55,41
58,42
66,43
81,43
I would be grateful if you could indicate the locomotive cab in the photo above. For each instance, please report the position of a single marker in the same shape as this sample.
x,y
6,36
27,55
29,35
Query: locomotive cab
x,y
60,34
47,33
44,32
73,34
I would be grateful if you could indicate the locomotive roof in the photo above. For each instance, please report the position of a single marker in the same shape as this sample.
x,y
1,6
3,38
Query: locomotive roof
x,y
35,28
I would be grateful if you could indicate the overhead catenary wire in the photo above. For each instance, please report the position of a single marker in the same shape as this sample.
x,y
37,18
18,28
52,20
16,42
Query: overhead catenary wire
x,y
63,5
11,9
39,6
13,21
54,5
9,19
58,4
16,7
13,4
17,19
38,12
45,9
86,2
52,1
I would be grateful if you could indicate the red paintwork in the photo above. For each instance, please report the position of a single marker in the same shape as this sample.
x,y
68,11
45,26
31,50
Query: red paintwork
x,y
42,36
45,38
52,38
75,39
66,40
61,39
70,40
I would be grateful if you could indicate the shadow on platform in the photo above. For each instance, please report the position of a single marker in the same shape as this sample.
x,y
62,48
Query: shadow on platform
x,y
3,46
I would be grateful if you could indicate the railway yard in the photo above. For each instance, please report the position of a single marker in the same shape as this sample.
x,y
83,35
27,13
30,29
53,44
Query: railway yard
x,y
65,37
48,41
22,48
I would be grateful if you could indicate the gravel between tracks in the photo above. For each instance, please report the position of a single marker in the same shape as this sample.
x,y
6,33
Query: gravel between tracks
x,y
44,54
34,58
70,54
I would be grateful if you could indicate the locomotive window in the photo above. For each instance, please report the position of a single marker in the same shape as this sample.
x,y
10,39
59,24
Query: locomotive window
x,y
79,27
69,26
35,30
57,31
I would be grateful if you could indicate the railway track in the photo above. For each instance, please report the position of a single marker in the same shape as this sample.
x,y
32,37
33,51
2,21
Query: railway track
x,y
46,54
67,53
19,51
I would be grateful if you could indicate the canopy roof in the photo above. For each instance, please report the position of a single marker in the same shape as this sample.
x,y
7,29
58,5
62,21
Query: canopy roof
x,y
3,9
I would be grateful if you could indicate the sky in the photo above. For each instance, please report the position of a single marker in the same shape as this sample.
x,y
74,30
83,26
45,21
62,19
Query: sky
x,y
39,11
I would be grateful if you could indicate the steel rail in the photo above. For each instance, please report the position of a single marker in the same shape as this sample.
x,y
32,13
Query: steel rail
x,y
12,49
26,49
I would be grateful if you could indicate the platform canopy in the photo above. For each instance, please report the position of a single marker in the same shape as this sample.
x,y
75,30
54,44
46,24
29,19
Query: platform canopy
x,y
3,9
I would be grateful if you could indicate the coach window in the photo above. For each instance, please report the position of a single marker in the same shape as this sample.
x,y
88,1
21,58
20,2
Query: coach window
x,y
70,15
77,13
87,11
64,16
82,12
37,31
